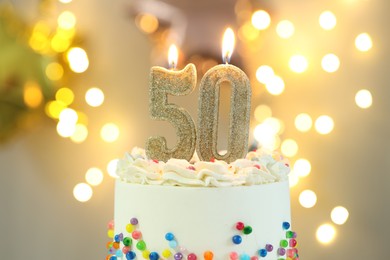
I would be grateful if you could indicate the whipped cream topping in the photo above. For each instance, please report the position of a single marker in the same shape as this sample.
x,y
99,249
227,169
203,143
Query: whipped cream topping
x,y
258,167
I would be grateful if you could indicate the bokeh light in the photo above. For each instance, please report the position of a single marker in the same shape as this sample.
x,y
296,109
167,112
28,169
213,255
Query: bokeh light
x,y
276,124
330,63
54,71
147,23
111,168
109,132
339,215
80,133
262,112
261,20
266,136
303,122
324,124
289,147
285,29
66,20
65,95
68,115
298,63
363,98
302,167
363,42
275,85
264,73
54,108
65,129
65,1
307,198
325,233
94,176
82,192
78,59
32,94
327,20
94,97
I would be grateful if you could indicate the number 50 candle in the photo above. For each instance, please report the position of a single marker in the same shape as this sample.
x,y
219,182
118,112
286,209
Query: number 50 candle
x,y
208,108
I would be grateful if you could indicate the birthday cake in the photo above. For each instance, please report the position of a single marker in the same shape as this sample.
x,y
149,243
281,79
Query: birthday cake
x,y
203,210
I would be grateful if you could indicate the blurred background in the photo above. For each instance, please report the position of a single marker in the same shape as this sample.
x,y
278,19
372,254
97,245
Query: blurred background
x,y
74,98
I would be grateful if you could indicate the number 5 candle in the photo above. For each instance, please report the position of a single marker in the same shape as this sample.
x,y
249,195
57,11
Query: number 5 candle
x,y
178,83
208,108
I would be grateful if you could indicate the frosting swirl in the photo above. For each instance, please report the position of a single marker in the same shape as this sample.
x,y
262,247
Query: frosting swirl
x,y
257,168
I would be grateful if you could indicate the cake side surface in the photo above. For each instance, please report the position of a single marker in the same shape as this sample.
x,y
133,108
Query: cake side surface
x,y
204,219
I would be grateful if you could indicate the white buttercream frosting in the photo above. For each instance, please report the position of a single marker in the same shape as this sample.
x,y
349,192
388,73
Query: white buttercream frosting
x,y
257,168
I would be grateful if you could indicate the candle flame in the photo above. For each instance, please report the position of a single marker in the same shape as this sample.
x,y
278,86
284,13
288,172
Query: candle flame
x,y
173,56
227,45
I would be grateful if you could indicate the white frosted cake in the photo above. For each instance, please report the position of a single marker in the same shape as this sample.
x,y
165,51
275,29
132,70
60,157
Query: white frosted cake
x,y
203,210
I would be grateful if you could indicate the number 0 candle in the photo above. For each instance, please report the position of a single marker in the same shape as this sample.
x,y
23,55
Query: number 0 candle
x,y
178,83
208,108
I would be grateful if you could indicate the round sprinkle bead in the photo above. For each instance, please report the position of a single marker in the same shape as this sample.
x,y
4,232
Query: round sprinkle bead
x,y
254,258
178,256
110,233
169,236
286,225
173,244
247,230
115,245
109,244
294,235
240,226
293,242
208,255
154,256
281,251
130,255
269,247
141,245
233,256
119,253
116,238
136,234
289,234
283,243
191,256
134,221
262,252
129,228
166,253
245,257
127,241
113,258
237,239
125,249
146,254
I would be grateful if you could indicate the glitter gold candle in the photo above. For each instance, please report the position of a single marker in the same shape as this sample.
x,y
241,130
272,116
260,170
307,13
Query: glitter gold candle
x,y
177,83
208,108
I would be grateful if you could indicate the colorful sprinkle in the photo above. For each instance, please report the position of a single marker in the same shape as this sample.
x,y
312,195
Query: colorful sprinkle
x,y
283,243
240,226
286,225
208,255
262,252
281,251
146,254
141,245
129,228
116,238
110,224
154,256
127,241
237,239
233,256
269,247
169,236
166,253
136,234
134,221
191,256
247,230
178,256
110,233
125,249
289,234
254,258
130,255
173,244
293,242
245,257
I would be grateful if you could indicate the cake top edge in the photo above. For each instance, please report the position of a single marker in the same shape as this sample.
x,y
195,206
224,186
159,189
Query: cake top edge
x,y
258,167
